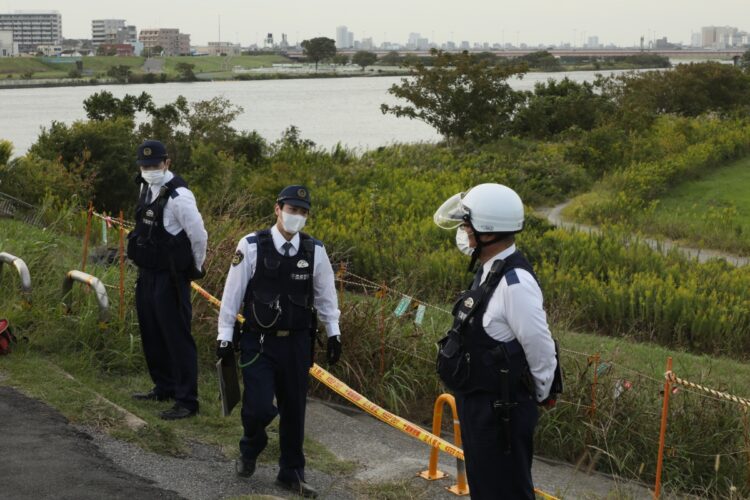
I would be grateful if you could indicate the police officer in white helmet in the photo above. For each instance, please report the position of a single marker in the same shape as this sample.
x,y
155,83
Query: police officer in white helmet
x,y
499,356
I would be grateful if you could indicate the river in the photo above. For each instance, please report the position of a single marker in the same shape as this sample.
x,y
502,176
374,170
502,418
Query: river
x,y
326,110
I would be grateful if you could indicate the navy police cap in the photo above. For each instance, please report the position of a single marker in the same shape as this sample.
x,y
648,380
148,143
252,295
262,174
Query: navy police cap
x,y
298,196
151,153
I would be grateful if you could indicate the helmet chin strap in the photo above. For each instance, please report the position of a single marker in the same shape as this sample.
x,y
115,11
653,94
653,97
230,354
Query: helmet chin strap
x,y
480,245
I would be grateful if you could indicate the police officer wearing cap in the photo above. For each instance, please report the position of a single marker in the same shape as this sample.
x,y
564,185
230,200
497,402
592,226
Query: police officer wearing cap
x,y
168,245
499,357
279,278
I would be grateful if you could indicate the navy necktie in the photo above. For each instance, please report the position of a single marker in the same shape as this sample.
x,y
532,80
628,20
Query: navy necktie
x,y
477,278
286,246
148,195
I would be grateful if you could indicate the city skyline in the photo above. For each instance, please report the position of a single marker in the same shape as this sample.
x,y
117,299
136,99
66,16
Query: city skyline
x,y
544,22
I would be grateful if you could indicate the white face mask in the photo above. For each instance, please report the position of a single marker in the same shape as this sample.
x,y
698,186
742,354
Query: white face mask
x,y
292,223
153,176
462,242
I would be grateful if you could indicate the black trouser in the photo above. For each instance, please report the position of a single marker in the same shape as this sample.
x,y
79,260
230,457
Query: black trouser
x,y
164,315
282,369
493,475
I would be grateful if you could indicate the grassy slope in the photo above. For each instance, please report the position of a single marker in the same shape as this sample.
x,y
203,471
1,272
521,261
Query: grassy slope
x,y
110,363
713,211
100,64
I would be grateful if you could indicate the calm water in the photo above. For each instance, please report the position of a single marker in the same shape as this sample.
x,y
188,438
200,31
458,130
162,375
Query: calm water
x,y
328,111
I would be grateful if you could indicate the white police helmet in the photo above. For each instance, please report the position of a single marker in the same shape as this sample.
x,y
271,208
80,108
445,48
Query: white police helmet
x,y
489,208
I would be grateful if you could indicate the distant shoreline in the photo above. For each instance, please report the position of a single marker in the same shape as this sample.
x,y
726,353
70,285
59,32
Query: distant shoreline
x,y
242,77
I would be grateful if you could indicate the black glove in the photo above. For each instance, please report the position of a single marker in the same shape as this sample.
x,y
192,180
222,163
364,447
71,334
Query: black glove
x,y
333,352
224,350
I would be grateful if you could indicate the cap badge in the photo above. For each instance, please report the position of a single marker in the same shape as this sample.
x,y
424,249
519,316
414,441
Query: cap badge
x,y
301,193
302,264
146,151
468,303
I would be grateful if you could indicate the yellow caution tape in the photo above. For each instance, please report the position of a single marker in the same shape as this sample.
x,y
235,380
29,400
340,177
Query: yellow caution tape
x,y
376,411
381,414
723,395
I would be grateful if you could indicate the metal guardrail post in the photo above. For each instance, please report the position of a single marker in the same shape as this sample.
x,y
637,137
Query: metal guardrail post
x,y
431,474
95,283
23,272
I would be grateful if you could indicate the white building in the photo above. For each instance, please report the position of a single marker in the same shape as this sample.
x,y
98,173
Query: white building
x,y
717,37
344,38
32,29
112,31
8,48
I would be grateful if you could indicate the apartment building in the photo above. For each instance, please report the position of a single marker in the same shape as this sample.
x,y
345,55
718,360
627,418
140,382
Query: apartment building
x,y
112,32
172,42
32,29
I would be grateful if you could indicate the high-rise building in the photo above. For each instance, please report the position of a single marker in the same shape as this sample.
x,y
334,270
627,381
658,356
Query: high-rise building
x,y
171,41
344,38
32,29
717,37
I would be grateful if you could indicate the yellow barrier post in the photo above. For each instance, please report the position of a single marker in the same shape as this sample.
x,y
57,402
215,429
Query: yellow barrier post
x,y
381,328
89,215
663,430
432,473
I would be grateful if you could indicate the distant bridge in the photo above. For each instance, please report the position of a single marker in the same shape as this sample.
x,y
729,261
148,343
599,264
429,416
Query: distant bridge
x,y
671,53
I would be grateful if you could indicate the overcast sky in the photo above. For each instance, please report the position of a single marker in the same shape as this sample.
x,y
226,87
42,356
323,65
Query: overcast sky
x,y
621,22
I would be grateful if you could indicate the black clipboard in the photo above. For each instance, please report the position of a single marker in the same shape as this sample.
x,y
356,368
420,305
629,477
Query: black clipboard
x,y
229,384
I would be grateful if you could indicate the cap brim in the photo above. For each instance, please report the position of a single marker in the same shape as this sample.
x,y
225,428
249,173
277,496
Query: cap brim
x,y
150,163
297,203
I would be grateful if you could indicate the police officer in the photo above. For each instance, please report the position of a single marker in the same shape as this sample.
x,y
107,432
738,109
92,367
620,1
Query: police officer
x,y
499,356
169,246
282,276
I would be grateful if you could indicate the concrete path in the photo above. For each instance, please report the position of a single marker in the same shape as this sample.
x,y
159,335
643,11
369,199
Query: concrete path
x,y
554,216
46,457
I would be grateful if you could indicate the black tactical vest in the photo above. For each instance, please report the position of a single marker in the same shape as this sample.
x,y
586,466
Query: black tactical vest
x,y
279,296
469,360
151,246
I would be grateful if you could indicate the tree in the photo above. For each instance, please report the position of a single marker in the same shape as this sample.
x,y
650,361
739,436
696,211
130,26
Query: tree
x,y
319,49
462,97
104,106
341,59
120,73
745,61
392,58
185,72
364,58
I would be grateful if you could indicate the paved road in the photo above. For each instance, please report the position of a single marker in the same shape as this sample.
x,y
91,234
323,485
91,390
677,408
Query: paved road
x,y
45,457
554,216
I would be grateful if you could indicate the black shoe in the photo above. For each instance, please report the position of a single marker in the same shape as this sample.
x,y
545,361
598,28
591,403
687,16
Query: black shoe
x,y
151,395
244,467
301,488
177,412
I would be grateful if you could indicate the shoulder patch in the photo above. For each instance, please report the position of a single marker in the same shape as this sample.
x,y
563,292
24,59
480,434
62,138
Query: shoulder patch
x,y
512,278
238,256
318,243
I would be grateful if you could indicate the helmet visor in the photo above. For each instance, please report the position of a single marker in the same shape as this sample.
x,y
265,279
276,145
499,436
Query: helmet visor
x,y
451,213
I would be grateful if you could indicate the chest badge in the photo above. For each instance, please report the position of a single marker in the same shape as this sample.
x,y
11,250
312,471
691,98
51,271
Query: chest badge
x,y
149,213
303,264
469,303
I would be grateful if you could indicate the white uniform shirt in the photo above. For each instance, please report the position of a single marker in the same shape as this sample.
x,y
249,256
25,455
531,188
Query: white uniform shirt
x,y
515,311
181,212
324,286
